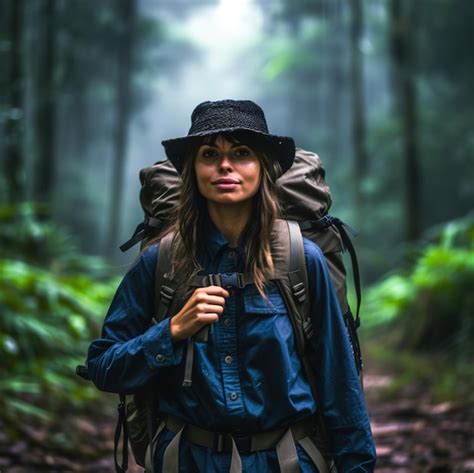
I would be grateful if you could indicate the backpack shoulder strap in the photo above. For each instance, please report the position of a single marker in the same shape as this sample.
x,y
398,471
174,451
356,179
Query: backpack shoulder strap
x,y
297,271
291,277
164,286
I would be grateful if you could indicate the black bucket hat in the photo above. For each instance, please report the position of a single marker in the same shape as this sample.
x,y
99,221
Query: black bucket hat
x,y
227,116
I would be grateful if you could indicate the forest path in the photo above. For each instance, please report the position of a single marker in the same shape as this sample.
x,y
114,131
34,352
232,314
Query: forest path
x,y
411,434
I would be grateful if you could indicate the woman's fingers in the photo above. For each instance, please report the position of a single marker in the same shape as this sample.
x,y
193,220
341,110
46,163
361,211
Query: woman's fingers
x,y
209,308
214,300
212,291
202,308
207,318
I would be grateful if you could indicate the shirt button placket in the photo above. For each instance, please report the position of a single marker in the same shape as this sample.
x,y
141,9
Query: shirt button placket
x,y
228,341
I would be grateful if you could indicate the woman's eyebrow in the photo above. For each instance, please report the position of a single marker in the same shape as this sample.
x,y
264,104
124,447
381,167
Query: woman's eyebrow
x,y
213,145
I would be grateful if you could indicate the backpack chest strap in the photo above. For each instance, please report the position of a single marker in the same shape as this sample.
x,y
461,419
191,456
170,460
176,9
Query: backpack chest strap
x,y
225,280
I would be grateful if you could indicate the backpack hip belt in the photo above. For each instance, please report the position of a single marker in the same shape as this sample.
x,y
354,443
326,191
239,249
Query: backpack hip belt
x,y
236,443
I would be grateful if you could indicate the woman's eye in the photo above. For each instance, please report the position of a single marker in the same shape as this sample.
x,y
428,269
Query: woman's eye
x,y
209,153
242,152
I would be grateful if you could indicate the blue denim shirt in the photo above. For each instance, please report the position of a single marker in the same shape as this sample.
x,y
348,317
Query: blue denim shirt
x,y
247,377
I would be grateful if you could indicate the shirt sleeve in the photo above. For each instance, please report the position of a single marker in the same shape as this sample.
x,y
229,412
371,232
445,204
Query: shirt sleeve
x,y
339,389
132,349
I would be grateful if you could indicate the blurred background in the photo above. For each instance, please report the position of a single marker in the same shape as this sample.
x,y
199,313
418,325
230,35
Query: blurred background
x,y
382,90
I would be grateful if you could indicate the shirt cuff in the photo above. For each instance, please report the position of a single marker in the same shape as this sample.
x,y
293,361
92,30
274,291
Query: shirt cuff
x,y
158,347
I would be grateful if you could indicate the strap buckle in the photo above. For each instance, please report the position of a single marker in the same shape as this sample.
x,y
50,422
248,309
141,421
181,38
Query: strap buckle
x,y
299,292
308,328
243,442
219,443
166,293
326,221
223,442
227,280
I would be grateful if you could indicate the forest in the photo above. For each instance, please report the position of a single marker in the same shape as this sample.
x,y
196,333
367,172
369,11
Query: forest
x,y
381,90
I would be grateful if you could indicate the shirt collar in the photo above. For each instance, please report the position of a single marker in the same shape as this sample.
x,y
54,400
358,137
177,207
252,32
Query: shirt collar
x,y
215,241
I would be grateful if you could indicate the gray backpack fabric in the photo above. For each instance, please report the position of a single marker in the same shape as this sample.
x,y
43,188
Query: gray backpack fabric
x,y
305,200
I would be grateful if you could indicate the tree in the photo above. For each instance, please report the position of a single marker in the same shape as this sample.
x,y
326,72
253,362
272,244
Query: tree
x,y
126,17
360,162
45,106
14,128
402,46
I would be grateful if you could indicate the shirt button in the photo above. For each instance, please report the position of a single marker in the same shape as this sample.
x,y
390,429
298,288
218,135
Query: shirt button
x,y
231,254
160,358
228,359
227,322
234,396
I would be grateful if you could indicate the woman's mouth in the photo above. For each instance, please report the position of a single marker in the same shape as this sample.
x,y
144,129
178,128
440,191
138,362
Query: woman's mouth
x,y
226,184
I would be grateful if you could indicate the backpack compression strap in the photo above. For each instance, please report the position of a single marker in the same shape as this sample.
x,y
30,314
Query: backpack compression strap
x,y
326,221
143,230
121,423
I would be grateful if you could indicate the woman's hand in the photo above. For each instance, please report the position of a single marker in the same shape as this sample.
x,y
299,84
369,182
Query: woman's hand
x,y
204,307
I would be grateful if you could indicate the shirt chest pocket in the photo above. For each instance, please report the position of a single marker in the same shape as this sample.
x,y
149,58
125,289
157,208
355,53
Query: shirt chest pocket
x,y
266,323
254,303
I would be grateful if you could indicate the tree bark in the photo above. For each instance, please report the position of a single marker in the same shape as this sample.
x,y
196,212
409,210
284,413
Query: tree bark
x,y
336,82
402,45
360,161
45,109
14,128
127,12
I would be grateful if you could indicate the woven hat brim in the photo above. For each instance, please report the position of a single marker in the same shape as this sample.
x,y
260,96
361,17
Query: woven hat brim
x,y
283,147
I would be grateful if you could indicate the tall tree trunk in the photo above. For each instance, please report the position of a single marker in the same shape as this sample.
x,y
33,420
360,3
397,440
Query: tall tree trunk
x,y
360,161
402,45
127,12
336,81
45,108
14,124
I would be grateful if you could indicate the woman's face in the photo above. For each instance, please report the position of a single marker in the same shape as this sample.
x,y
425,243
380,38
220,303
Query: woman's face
x,y
226,172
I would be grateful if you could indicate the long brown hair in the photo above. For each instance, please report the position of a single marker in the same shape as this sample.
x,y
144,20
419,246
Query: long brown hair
x,y
191,216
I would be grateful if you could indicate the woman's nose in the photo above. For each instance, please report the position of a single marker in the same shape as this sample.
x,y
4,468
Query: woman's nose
x,y
225,162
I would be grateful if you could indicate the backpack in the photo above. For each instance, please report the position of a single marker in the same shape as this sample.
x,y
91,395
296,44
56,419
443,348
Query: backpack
x,y
305,200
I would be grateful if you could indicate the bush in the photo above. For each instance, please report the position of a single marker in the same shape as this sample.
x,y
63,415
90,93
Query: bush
x,y
432,306
47,322
52,303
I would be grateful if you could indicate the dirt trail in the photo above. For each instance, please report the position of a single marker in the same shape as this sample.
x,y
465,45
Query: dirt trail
x,y
414,435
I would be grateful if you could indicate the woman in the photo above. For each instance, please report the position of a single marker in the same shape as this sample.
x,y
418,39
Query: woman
x,y
247,379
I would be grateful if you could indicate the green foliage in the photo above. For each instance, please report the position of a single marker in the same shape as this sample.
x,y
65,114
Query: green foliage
x,y
387,300
433,373
28,234
432,306
51,308
46,325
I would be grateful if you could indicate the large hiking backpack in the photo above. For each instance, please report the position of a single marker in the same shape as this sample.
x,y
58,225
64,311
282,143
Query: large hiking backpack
x,y
305,200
